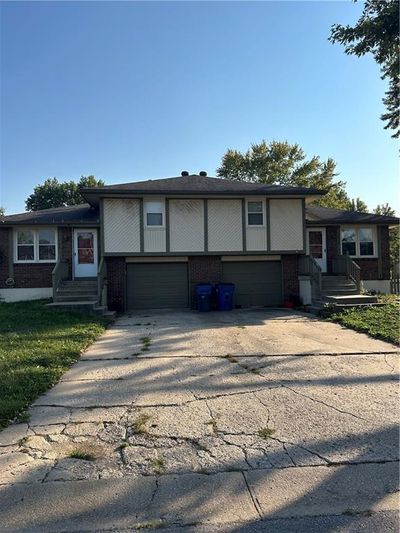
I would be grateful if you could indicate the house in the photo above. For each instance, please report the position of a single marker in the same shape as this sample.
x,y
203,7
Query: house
x,y
147,244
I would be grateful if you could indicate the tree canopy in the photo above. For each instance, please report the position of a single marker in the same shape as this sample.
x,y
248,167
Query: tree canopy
x,y
52,193
377,32
282,163
2,211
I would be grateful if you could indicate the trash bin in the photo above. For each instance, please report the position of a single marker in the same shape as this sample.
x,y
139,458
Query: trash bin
x,y
203,296
225,296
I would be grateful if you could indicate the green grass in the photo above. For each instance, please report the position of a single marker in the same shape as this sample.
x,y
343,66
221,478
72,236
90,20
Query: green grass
x,y
37,345
379,322
266,432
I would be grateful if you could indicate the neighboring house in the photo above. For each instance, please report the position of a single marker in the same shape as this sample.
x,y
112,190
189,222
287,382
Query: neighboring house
x,y
147,244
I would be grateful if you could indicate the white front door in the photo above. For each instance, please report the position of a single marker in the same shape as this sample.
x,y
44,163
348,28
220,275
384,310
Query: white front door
x,y
85,253
316,245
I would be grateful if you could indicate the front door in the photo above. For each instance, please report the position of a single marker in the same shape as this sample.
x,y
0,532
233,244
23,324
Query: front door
x,y
316,245
85,253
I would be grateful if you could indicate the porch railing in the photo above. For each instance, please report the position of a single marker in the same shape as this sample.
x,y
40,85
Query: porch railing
x,y
59,273
309,267
343,264
102,283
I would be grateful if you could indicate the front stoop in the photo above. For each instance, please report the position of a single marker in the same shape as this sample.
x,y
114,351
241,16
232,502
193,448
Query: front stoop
x,y
339,293
79,295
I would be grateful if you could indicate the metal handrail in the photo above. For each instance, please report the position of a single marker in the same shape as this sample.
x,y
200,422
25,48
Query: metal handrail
x,y
59,273
102,282
309,267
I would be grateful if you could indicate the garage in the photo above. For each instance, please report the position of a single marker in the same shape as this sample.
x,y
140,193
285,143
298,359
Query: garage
x,y
157,285
257,283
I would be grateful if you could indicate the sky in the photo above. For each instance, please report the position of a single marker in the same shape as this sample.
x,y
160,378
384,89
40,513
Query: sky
x,y
129,91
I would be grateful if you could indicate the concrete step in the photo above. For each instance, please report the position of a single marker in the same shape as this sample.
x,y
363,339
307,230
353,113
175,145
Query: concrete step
x,y
78,284
75,292
76,298
339,292
350,299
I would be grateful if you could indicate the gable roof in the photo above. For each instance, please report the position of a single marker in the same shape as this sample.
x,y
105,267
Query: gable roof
x,y
197,185
325,215
76,214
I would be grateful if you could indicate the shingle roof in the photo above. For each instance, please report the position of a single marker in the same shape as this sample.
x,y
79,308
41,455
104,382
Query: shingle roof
x,y
325,215
195,184
76,214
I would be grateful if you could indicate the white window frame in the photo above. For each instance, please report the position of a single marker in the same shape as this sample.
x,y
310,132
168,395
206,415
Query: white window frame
x,y
146,203
35,232
357,229
248,200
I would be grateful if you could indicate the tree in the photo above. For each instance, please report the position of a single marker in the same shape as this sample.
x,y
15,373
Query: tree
x,y
394,237
52,193
377,32
2,211
282,163
359,205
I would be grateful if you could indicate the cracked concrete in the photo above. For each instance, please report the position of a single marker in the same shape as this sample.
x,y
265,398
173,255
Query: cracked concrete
x,y
213,412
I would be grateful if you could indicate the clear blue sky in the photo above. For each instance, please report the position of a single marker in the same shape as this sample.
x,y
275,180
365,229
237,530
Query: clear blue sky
x,y
131,90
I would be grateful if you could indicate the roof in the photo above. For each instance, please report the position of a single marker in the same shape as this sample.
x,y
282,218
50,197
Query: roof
x,y
197,185
76,214
326,215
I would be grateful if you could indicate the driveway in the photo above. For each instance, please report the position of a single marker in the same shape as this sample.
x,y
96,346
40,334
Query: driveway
x,y
232,422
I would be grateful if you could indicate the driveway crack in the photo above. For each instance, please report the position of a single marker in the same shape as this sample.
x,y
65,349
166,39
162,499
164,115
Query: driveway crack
x,y
342,411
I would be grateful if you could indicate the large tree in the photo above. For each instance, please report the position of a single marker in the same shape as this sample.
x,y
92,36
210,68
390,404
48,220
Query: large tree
x,y
53,193
359,205
282,163
377,32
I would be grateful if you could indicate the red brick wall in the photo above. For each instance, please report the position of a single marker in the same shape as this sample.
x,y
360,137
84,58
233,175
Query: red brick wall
x,y
4,235
332,244
65,243
203,269
370,268
290,276
116,278
32,275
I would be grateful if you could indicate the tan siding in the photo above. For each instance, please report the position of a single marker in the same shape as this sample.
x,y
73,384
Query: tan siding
x,y
186,225
154,240
225,226
256,239
286,222
121,225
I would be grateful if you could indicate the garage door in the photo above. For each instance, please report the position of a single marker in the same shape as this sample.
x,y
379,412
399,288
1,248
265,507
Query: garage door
x,y
258,283
157,285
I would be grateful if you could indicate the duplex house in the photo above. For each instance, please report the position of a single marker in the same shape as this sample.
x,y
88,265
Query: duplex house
x,y
147,244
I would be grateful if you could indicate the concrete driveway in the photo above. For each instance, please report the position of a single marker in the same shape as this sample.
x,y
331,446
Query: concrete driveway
x,y
239,421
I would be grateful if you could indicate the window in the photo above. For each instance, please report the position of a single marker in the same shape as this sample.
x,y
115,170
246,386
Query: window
x,y
47,245
348,242
255,214
358,242
154,214
25,245
366,241
39,245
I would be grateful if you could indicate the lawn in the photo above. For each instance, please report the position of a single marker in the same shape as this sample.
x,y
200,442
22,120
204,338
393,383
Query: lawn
x,y
37,345
379,322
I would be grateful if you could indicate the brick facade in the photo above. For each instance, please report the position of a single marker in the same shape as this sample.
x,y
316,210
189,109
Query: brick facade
x,y
4,236
203,269
290,276
32,275
371,268
116,279
332,244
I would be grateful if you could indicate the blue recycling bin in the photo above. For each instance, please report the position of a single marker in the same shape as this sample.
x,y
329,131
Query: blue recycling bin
x,y
203,296
225,293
